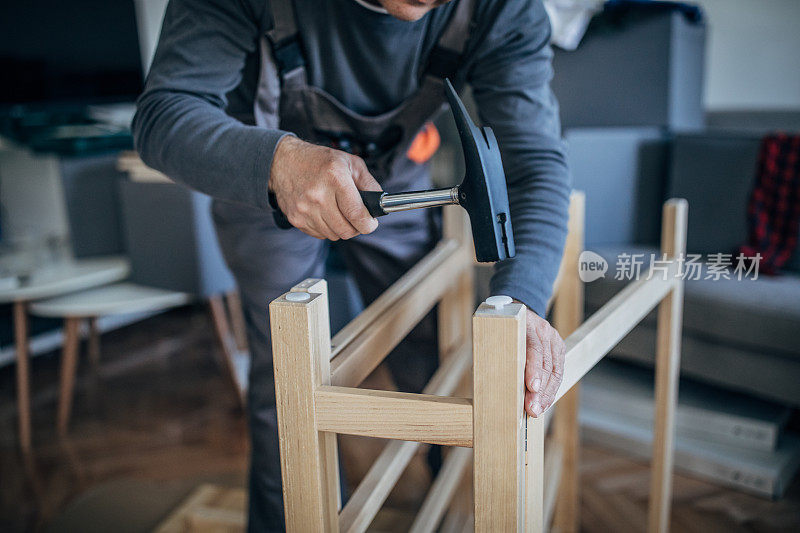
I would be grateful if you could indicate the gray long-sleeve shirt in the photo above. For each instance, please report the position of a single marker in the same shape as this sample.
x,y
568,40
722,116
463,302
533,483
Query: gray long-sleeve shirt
x,y
194,119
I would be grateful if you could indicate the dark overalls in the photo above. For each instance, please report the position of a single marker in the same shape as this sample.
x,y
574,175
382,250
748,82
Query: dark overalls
x,y
267,261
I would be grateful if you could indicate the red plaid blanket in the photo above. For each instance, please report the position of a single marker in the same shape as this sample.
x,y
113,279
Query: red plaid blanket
x,y
773,211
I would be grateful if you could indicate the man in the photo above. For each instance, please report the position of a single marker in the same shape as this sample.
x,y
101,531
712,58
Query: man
x,y
259,100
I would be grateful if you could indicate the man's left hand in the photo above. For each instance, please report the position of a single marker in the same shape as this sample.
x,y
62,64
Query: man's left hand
x,y
544,364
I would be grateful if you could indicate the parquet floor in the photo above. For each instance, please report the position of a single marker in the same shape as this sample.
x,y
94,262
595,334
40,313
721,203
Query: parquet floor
x,y
614,491
157,419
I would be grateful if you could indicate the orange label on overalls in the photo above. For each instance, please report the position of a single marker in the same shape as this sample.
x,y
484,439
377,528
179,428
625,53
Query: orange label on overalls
x,y
424,144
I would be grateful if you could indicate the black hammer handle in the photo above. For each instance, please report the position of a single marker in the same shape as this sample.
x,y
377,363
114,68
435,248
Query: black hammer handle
x,y
371,199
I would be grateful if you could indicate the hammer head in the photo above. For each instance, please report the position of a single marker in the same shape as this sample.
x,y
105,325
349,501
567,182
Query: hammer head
x,y
483,192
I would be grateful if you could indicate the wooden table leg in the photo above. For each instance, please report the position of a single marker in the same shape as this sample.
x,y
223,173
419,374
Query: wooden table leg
x,y
567,316
93,343
23,374
223,330
499,468
69,363
301,344
668,362
566,431
236,313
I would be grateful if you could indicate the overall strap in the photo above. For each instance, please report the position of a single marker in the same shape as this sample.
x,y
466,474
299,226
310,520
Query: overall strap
x,y
445,58
287,48
444,61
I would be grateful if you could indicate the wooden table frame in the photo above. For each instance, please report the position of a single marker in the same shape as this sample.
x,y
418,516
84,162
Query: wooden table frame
x,y
515,482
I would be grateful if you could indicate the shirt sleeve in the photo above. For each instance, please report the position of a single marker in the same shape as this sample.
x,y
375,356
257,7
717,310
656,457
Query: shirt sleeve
x,y
180,126
510,78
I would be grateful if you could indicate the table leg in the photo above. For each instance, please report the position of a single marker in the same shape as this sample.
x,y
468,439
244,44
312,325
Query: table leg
x,y
23,374
69,363
227,342
236,313
93,344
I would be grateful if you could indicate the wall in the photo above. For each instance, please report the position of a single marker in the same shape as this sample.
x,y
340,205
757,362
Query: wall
x,y
752,54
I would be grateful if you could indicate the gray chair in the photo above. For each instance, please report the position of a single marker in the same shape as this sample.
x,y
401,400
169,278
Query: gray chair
x,y
172,245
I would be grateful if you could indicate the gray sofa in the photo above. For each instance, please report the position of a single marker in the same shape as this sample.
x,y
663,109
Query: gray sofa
x,y
742,335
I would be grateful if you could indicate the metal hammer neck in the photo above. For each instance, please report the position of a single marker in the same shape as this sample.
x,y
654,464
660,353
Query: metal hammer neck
x,y
418,199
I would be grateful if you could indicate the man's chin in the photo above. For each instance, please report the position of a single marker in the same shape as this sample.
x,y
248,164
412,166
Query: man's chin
x,y
410,10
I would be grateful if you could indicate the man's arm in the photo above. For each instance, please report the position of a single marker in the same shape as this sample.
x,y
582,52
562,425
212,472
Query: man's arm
x,y
510,79
181,127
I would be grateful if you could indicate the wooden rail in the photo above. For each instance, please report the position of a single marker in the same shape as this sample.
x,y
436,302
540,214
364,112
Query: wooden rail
x,y
516,487
386,470
604,329
394,415
384,325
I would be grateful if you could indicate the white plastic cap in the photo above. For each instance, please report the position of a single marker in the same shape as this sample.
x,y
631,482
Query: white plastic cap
x,y
297,297
498,302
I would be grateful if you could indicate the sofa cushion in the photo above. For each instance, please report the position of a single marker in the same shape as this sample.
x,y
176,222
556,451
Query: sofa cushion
x,y
761,315
715,172
755,372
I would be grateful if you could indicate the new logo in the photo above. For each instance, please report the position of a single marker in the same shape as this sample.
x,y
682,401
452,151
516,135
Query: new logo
x,y
591,266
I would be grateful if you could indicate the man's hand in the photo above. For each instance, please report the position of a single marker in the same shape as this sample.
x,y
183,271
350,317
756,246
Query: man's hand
x,y
317,189
544,364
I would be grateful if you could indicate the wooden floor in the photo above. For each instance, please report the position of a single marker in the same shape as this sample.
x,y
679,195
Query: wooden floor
x,y
157,419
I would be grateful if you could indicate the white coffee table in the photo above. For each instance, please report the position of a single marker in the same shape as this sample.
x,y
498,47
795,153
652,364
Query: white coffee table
x,y
47,282
75,307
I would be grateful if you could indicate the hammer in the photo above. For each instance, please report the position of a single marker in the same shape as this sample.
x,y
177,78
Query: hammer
x,y
482,192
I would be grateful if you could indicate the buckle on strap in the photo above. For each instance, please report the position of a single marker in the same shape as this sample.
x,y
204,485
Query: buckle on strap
x,y
288,54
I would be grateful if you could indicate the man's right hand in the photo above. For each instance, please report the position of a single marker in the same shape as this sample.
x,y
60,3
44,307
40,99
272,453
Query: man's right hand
x,y
317,189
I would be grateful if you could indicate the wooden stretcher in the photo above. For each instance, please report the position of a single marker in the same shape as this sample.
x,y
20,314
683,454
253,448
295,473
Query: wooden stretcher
x,y
518,482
